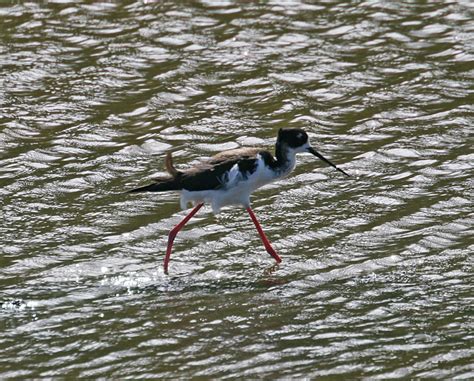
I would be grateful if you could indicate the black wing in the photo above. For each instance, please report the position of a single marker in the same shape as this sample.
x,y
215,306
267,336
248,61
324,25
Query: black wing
x,y
211,174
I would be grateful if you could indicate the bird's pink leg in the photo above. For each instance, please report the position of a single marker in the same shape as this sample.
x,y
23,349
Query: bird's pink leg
x,y
174,232
264,238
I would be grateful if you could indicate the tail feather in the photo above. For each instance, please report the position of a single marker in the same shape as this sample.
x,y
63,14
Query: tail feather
x,y
170,167
166,183
161,186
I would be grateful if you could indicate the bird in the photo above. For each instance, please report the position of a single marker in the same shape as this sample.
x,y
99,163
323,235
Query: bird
x,y
230,177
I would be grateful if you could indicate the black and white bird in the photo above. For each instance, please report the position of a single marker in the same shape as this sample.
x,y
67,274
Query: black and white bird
x,y
230,177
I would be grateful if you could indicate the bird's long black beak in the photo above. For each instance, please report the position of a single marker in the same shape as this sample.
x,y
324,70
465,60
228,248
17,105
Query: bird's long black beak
x,y
317,154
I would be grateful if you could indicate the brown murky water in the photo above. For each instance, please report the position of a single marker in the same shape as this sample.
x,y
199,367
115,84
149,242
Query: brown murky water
x,y
377,278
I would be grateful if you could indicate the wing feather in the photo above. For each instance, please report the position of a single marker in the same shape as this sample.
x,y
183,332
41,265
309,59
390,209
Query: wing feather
x,y
214,173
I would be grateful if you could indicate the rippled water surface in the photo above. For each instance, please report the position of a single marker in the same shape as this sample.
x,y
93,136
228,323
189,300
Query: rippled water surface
x,y
377,278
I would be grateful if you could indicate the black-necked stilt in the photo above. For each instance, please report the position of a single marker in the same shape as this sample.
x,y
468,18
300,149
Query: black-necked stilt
x,y
230,177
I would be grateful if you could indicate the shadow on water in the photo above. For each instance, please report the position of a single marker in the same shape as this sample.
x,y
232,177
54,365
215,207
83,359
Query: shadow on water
x,y
150,283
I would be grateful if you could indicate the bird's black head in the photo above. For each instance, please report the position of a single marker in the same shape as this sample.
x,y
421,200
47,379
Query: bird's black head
x,y
290,141
292,137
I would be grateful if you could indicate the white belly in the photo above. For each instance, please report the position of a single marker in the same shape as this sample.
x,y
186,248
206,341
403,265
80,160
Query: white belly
x,y
236,189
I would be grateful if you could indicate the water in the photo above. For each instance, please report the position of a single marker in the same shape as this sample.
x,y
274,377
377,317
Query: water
x,y
377,278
